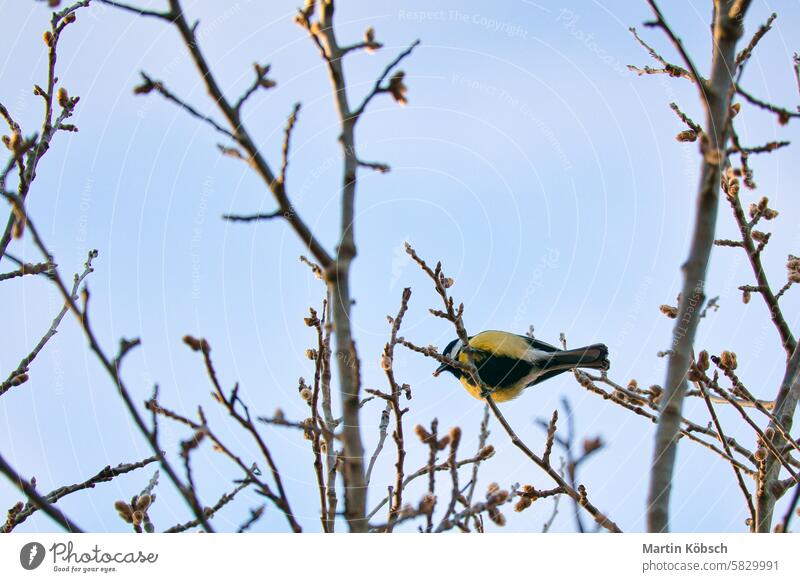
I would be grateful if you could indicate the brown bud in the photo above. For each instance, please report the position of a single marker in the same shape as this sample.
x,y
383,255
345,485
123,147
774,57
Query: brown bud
x,y
124,510
144,87
143,503
486,452
427,503
669,311
498,497
311,354
702,361
14,141
70,18
733,189
793,268
19,379
305,394
47,37
523,503
497,517
591,445
397,88
760,454
62,97
423,434
688,135
370,45
728,360
694,375
18,228
192,342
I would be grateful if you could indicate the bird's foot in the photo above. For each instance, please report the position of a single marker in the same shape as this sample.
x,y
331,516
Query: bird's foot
x,y
485,391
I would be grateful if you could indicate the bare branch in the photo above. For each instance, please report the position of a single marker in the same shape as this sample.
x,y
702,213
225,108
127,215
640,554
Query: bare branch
x,y
715,97
20,374
148,85
27,487
209,512
106,474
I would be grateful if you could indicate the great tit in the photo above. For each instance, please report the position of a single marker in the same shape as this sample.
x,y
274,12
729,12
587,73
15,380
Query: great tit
x,y
508,363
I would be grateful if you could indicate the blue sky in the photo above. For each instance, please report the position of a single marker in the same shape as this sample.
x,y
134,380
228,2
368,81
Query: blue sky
x,y
529,160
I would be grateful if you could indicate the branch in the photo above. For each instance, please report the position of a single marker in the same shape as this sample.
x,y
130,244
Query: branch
x,y
748,498
237,130
230,403
113,367
106,474
27,269
661,23
30,492
35,149
20,374
715,96
209,512
668,68
379,86
588,382
138,11
149,85
754,257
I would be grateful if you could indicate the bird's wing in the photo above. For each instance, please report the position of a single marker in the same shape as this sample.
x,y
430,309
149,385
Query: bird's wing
x,y
500,343
499,371
539,345
545,376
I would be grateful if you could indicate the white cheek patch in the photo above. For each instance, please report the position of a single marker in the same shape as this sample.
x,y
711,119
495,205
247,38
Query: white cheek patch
x,y
453,354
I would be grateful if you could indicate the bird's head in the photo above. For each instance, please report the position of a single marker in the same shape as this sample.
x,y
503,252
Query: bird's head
x,y
452,351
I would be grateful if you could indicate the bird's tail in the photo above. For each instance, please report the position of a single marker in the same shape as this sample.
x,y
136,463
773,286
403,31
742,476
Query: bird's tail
x,y
594,356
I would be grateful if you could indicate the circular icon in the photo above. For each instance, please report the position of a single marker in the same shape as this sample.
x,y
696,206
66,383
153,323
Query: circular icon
x,y
31,555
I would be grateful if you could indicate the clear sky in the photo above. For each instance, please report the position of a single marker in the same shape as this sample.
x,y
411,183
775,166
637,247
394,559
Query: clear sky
x,y
529,160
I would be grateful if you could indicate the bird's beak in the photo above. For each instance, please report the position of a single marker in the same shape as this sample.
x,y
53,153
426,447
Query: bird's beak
x,y
439,370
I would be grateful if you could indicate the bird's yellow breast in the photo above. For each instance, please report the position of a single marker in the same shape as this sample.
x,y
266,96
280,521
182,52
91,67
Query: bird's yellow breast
x,y
499,395
497,343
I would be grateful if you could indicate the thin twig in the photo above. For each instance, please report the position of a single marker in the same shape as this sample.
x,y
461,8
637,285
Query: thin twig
x,y
210,512
106,474
30,492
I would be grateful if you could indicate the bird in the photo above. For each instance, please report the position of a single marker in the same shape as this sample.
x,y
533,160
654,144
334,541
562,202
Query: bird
x,y
508,363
